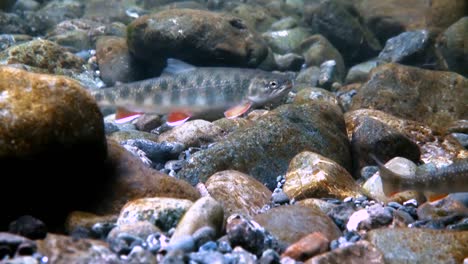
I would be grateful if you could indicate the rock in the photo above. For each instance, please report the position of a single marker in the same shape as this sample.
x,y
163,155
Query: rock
x,y
43,54
389,18
52,13
49,122
239,193
115,62
124,237
373,187
62,249
286,41
372,136
11,23
317,49
414,48
452,46
319,204
29,227
307,247
206,211
360,252
98,226
360,72
415,94
148,122
231,125
26,5
195,36
11,244
248,234
264,149
434,148
341,213
194,133
162,212
441,208
311,175
284,23
109,10
341,24
289,62
158,153
255,16
125,135
373,217
291,223
419,245
307,77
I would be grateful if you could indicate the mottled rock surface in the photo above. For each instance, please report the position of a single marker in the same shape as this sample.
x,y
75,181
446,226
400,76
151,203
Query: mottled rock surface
x,y
432,97
194,133
311,175
420,245
291,223
360,252
264,149
238,192
452,44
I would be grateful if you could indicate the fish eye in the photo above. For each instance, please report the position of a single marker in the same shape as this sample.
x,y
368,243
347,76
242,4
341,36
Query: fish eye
x,y
273,84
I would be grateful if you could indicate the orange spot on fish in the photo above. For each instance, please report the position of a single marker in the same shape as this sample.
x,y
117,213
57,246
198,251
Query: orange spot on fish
x,y
177,118
123,115
237,110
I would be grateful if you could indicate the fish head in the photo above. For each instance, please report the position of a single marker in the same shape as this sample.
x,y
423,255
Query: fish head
x,y
265,88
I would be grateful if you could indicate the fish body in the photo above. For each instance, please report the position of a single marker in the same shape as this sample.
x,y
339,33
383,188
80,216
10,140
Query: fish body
x,y
197,90
426,178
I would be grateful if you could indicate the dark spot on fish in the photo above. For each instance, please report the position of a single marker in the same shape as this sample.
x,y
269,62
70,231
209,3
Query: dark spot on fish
x,y
245,84
183,80
199,80
175,94
124,92
217,81
237,79
139,98
98,97
147,88
110,96
157,99
210,92
163,85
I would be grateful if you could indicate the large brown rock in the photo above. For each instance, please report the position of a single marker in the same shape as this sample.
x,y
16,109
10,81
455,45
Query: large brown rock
x,y
51,136
196,36
435,98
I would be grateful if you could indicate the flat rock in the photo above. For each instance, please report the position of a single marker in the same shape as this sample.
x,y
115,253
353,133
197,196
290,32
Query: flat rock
x,y
291,223
63,250
452,45
195,36
360,252
206,211
162,212
194,133
435,98
307,247
420,245
319,204
238,192
263,150
311,175
47,123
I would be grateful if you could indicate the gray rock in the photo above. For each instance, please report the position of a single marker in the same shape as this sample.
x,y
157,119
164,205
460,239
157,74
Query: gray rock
x,y
308,76
289,62
125,236
12,24
7,4
286,41
341,214
256,16
360,72
462,138
360,252
284,23
198,37
412,48
340,23
157,152
452,44
264,149
193,133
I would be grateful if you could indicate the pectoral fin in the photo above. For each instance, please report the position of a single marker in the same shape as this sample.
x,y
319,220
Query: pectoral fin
x,y
123,115
177,118
237,110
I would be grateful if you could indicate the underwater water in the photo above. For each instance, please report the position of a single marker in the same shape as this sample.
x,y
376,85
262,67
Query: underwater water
x,y
210,131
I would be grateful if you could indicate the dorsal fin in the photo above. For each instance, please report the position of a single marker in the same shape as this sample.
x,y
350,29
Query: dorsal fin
x,y
175,66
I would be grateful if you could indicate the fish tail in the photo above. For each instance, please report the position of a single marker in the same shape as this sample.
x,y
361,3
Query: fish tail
x,y
390,179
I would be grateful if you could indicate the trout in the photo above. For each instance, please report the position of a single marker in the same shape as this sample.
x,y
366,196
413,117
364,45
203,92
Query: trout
x,y
427,178
183,91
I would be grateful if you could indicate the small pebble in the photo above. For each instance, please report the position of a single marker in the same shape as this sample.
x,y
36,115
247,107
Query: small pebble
x,y
411,202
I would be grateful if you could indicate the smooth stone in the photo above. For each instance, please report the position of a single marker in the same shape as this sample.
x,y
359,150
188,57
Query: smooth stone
x,y
441,208
138,229
434,148
148,122
340,23
374,216
62,249
307,247
311,175
81,219
194,133
206,211
43,54
420,245
238,192
255,16
452,45
49,122
263,150
109,10
162,212
360,72
123,135
360,252
130,179
289,62
308,76
291,223
197,36
286,41
324,206
311,94
415,94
